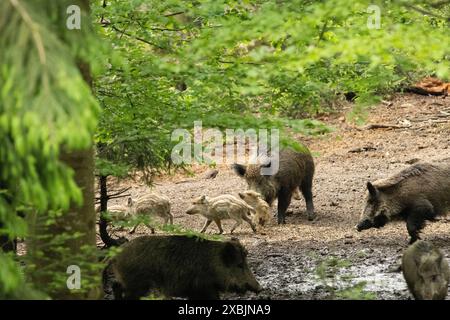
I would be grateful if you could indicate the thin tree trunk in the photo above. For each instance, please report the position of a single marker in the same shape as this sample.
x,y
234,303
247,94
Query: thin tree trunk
x,y
103,225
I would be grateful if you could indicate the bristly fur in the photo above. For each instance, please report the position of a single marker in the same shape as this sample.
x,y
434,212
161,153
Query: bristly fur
x,y
181,266
416,170
296,170
417,194
426,271
262,209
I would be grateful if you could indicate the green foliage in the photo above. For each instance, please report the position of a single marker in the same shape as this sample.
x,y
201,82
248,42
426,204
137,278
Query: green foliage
x,y
154,296
338,285
249,64
180,230
230,63
142,90
10,276
109,168
61,258
174,229
356,292
45,105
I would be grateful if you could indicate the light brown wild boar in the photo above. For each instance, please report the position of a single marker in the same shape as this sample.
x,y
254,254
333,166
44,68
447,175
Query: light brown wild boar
x,y
262,209
118,211
150,205
426,271
181,266
221,208
296,170
416,194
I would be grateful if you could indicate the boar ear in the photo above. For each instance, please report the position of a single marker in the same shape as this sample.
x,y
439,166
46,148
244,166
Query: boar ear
x,y
266,164
372,190
239,169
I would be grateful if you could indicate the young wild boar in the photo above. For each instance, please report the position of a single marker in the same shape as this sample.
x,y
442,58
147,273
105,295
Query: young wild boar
x,y
151,205
181,266
262,208
416,194
221,208
296,170
426,271
118,211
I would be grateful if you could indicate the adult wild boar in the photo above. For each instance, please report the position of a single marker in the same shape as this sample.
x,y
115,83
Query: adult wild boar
x,y
426,271
296,170
181,266
416,194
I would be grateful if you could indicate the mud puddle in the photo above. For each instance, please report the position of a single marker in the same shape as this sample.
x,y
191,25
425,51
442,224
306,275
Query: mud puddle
x,y
327,274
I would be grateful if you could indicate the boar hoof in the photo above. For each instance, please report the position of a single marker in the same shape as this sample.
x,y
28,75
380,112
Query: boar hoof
x,y
312,217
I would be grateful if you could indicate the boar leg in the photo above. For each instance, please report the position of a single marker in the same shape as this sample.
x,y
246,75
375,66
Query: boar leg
x,y
117,290
148,225
219,225
167,218
133,229
152,230
237,224
284,199
206,225
421,210
306,188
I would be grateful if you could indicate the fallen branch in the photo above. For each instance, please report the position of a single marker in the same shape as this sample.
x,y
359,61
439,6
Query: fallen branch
x,y
185,181
97,199
119,192
382,126
120,196
362,149
173,14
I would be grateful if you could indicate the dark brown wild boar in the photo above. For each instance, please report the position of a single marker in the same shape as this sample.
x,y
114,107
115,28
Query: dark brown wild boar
x,y
416,194
296,170
426,271
181,266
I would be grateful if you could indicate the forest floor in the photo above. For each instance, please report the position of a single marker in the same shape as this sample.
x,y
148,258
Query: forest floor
x,y
327,258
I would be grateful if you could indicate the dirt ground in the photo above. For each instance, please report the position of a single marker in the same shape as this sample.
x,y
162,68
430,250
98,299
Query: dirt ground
x,y
286,258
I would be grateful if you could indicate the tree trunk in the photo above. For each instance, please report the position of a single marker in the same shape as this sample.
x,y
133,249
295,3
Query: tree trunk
x,y
103,225
70,241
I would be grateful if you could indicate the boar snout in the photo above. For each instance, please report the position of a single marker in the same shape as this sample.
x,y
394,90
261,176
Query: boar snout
x,y
364,224
249,285
256,288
